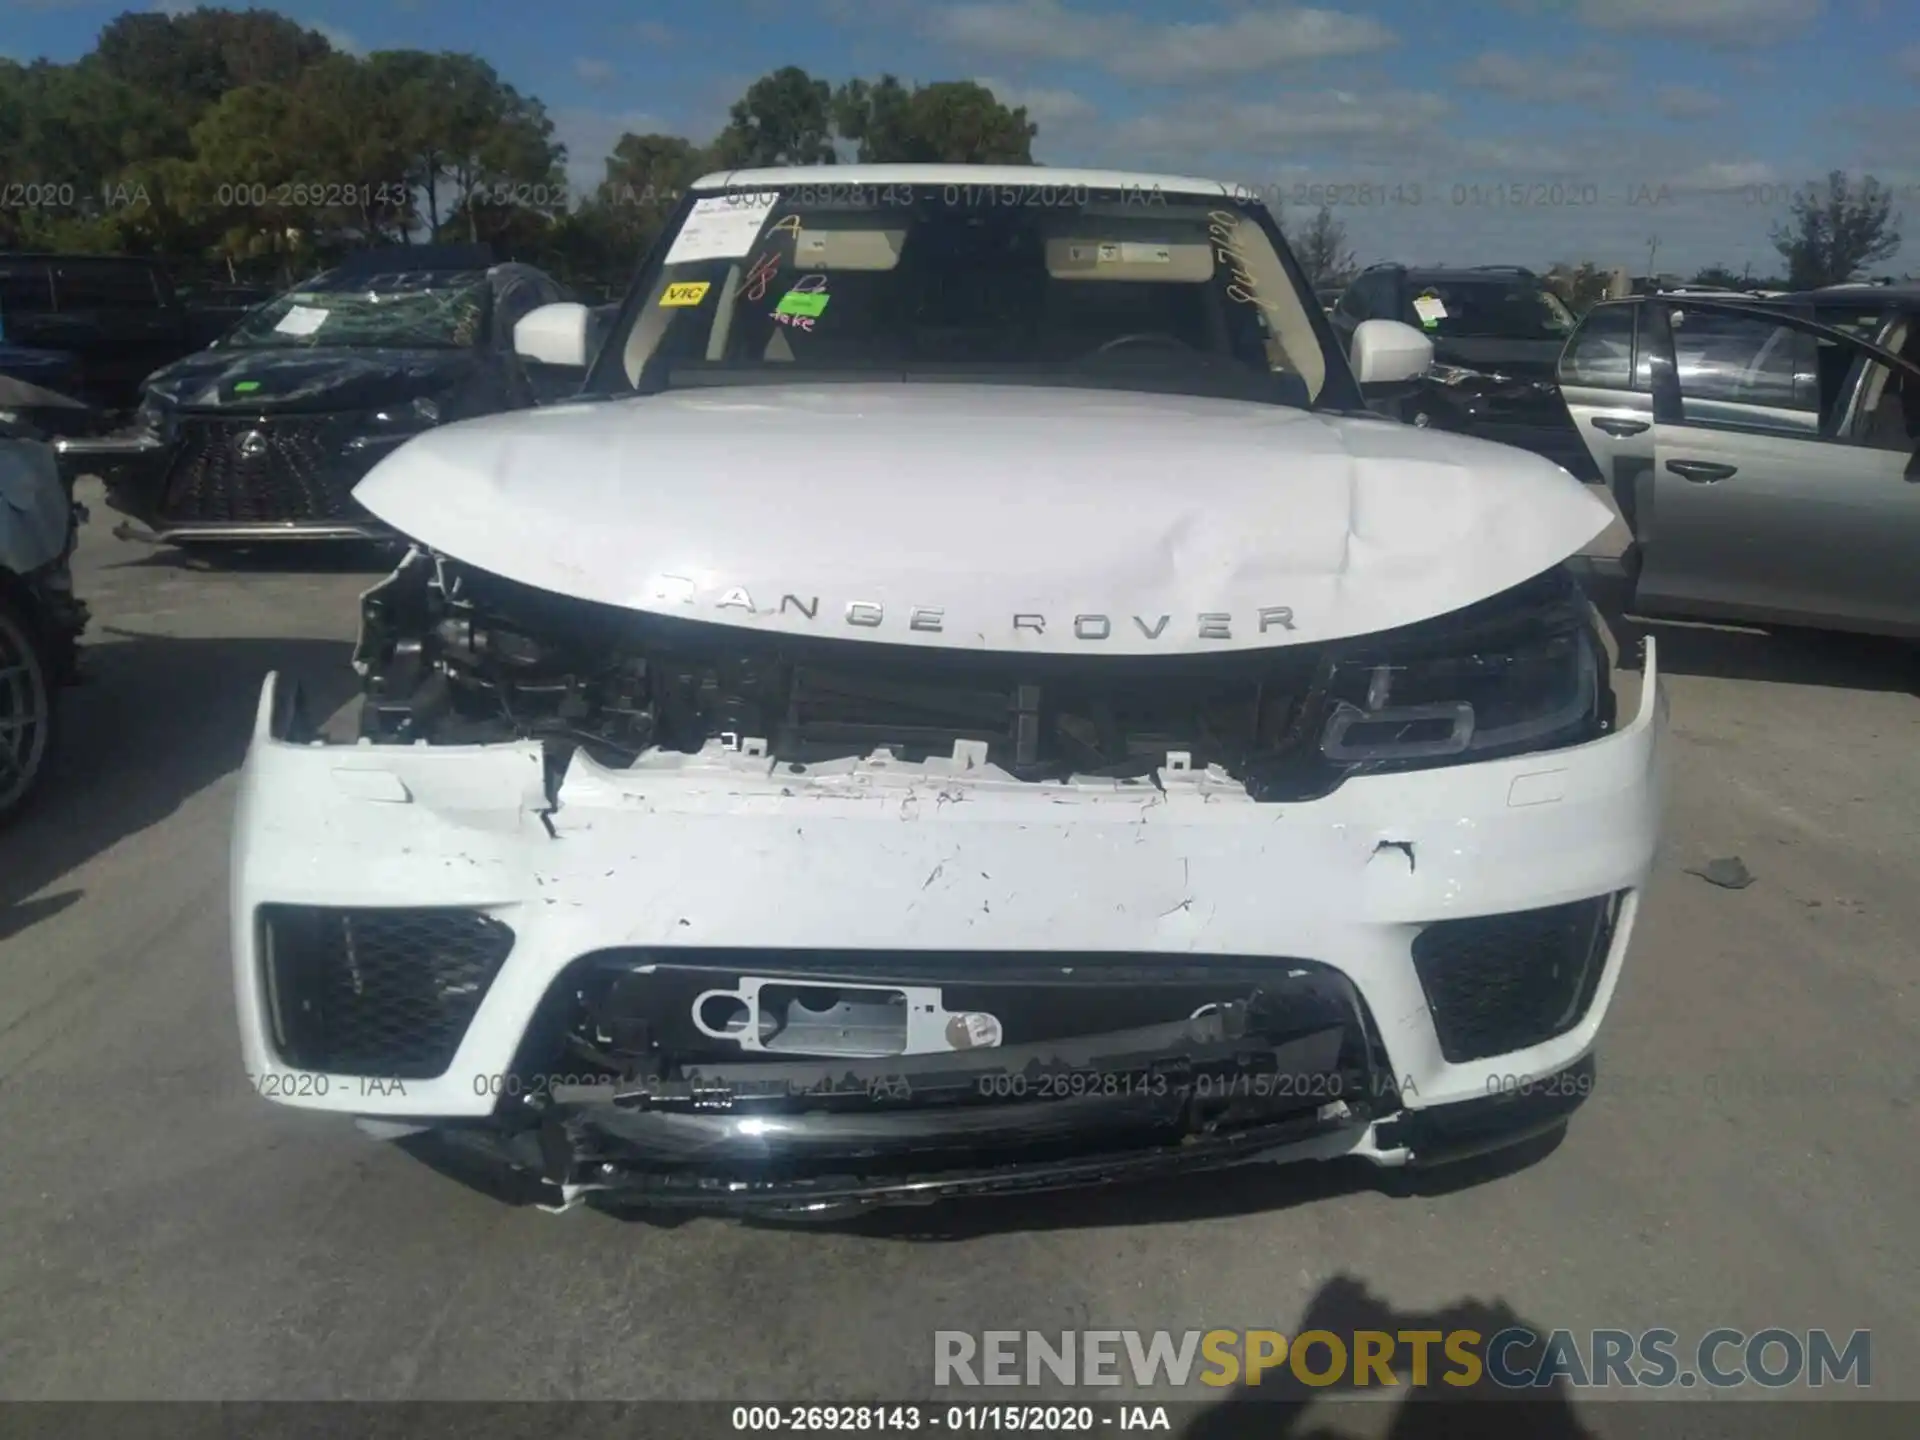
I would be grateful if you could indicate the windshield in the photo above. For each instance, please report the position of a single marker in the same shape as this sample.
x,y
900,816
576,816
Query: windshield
x,y
370,310
1481,310
1042,285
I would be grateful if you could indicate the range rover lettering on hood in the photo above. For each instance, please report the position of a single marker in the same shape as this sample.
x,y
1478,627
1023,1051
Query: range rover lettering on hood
x,y
988,517
931,619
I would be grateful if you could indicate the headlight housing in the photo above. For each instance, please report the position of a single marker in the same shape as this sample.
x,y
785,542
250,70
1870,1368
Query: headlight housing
x,y
153,415
1525,693
420,413
1524,671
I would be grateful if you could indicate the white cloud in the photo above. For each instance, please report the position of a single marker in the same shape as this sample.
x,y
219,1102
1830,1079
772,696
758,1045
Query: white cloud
x,y
1248,42
342,40
1336,122
590,136
593,72
1544,79
651,32
1726,24
1726,177
1684,102
1908,61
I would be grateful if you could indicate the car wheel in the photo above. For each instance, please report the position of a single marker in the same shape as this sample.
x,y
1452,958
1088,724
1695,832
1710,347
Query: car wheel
x,y
26,708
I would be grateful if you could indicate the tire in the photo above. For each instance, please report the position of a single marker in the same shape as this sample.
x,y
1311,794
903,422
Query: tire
x,y
26,708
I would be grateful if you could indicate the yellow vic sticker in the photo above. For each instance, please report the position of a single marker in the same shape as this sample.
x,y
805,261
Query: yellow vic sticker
x,y
685,294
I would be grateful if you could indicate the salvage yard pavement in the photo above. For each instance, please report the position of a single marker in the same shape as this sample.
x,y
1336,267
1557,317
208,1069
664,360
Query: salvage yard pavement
x,y
1745,1161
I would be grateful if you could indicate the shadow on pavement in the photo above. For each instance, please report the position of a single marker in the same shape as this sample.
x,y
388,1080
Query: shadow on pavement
x,y
159,720
1283,1407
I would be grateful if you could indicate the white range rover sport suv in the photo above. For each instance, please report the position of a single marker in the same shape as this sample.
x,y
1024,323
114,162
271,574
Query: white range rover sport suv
x,y
965,699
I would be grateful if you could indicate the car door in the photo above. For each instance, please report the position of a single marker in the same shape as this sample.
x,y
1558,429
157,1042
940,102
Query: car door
x,y
1606,385
1774,498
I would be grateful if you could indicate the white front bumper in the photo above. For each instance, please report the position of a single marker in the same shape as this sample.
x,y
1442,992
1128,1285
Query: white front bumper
x,y
724,850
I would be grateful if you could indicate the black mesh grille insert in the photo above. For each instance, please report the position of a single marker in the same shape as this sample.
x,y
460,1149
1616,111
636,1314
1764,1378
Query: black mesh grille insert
x,y
1499,983
386,993
263,472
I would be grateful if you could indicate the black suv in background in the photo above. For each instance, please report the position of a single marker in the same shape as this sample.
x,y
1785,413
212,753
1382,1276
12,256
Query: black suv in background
x,y
117,315
1497,333
264,434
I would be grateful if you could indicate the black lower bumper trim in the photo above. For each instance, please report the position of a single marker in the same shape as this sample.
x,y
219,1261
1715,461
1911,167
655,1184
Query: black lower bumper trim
x,y
855,1191
1445,1134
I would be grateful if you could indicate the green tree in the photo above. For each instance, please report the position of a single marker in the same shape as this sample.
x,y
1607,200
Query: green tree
x,y
785,118
1836,233
187,62
493,146
248,153
954,122
1323,252
351,127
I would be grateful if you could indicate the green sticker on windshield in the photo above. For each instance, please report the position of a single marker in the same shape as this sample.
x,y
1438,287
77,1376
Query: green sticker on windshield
x,y
244,386
800,302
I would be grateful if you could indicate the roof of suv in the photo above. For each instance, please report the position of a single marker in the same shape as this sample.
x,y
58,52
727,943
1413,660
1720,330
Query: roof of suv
x,y
1907,293
1467,274
1026,176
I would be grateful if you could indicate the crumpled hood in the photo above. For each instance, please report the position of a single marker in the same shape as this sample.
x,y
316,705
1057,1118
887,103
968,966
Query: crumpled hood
x,y
322,378
990,517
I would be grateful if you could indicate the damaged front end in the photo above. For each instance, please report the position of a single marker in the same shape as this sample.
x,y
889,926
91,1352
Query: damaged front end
x,y
453,655
773,1082
775,924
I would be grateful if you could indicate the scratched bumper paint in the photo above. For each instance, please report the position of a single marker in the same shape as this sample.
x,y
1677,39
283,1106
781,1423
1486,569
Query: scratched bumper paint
x,y
722,849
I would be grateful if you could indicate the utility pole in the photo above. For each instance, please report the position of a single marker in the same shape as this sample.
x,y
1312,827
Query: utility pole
x,y
1653,248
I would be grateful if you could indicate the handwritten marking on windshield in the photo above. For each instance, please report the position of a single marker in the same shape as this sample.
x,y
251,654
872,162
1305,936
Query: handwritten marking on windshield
x,y
753,285
1222,226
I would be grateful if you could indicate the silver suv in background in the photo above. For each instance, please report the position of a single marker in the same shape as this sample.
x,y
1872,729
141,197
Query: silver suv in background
x,y
1764,453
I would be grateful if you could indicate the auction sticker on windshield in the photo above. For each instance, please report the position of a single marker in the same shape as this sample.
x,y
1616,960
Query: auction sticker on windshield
x,y
301,320
1430,308
691,294
722,227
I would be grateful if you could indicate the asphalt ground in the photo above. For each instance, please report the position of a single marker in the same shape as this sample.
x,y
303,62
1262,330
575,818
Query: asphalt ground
x,y
1748,1159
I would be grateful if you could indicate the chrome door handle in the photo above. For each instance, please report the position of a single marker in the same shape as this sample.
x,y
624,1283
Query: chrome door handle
x,y
1618,428
1701,472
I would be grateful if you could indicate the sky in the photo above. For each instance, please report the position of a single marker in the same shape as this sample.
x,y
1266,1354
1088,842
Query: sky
x,y
1647,133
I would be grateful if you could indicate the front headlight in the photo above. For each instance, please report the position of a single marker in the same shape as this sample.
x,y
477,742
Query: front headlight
x,y
151,416
420,413
1498,698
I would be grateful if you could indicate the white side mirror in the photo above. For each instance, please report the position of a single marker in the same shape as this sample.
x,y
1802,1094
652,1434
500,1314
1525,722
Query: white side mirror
x,y
554,335
1386,352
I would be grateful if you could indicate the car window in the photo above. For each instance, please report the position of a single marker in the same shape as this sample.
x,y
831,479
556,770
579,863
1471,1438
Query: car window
x,y
1377,297
1182,293
87,286
25,290
1752,373
1601,351
1889,408
518,299
1864,323
414,310
1489,310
